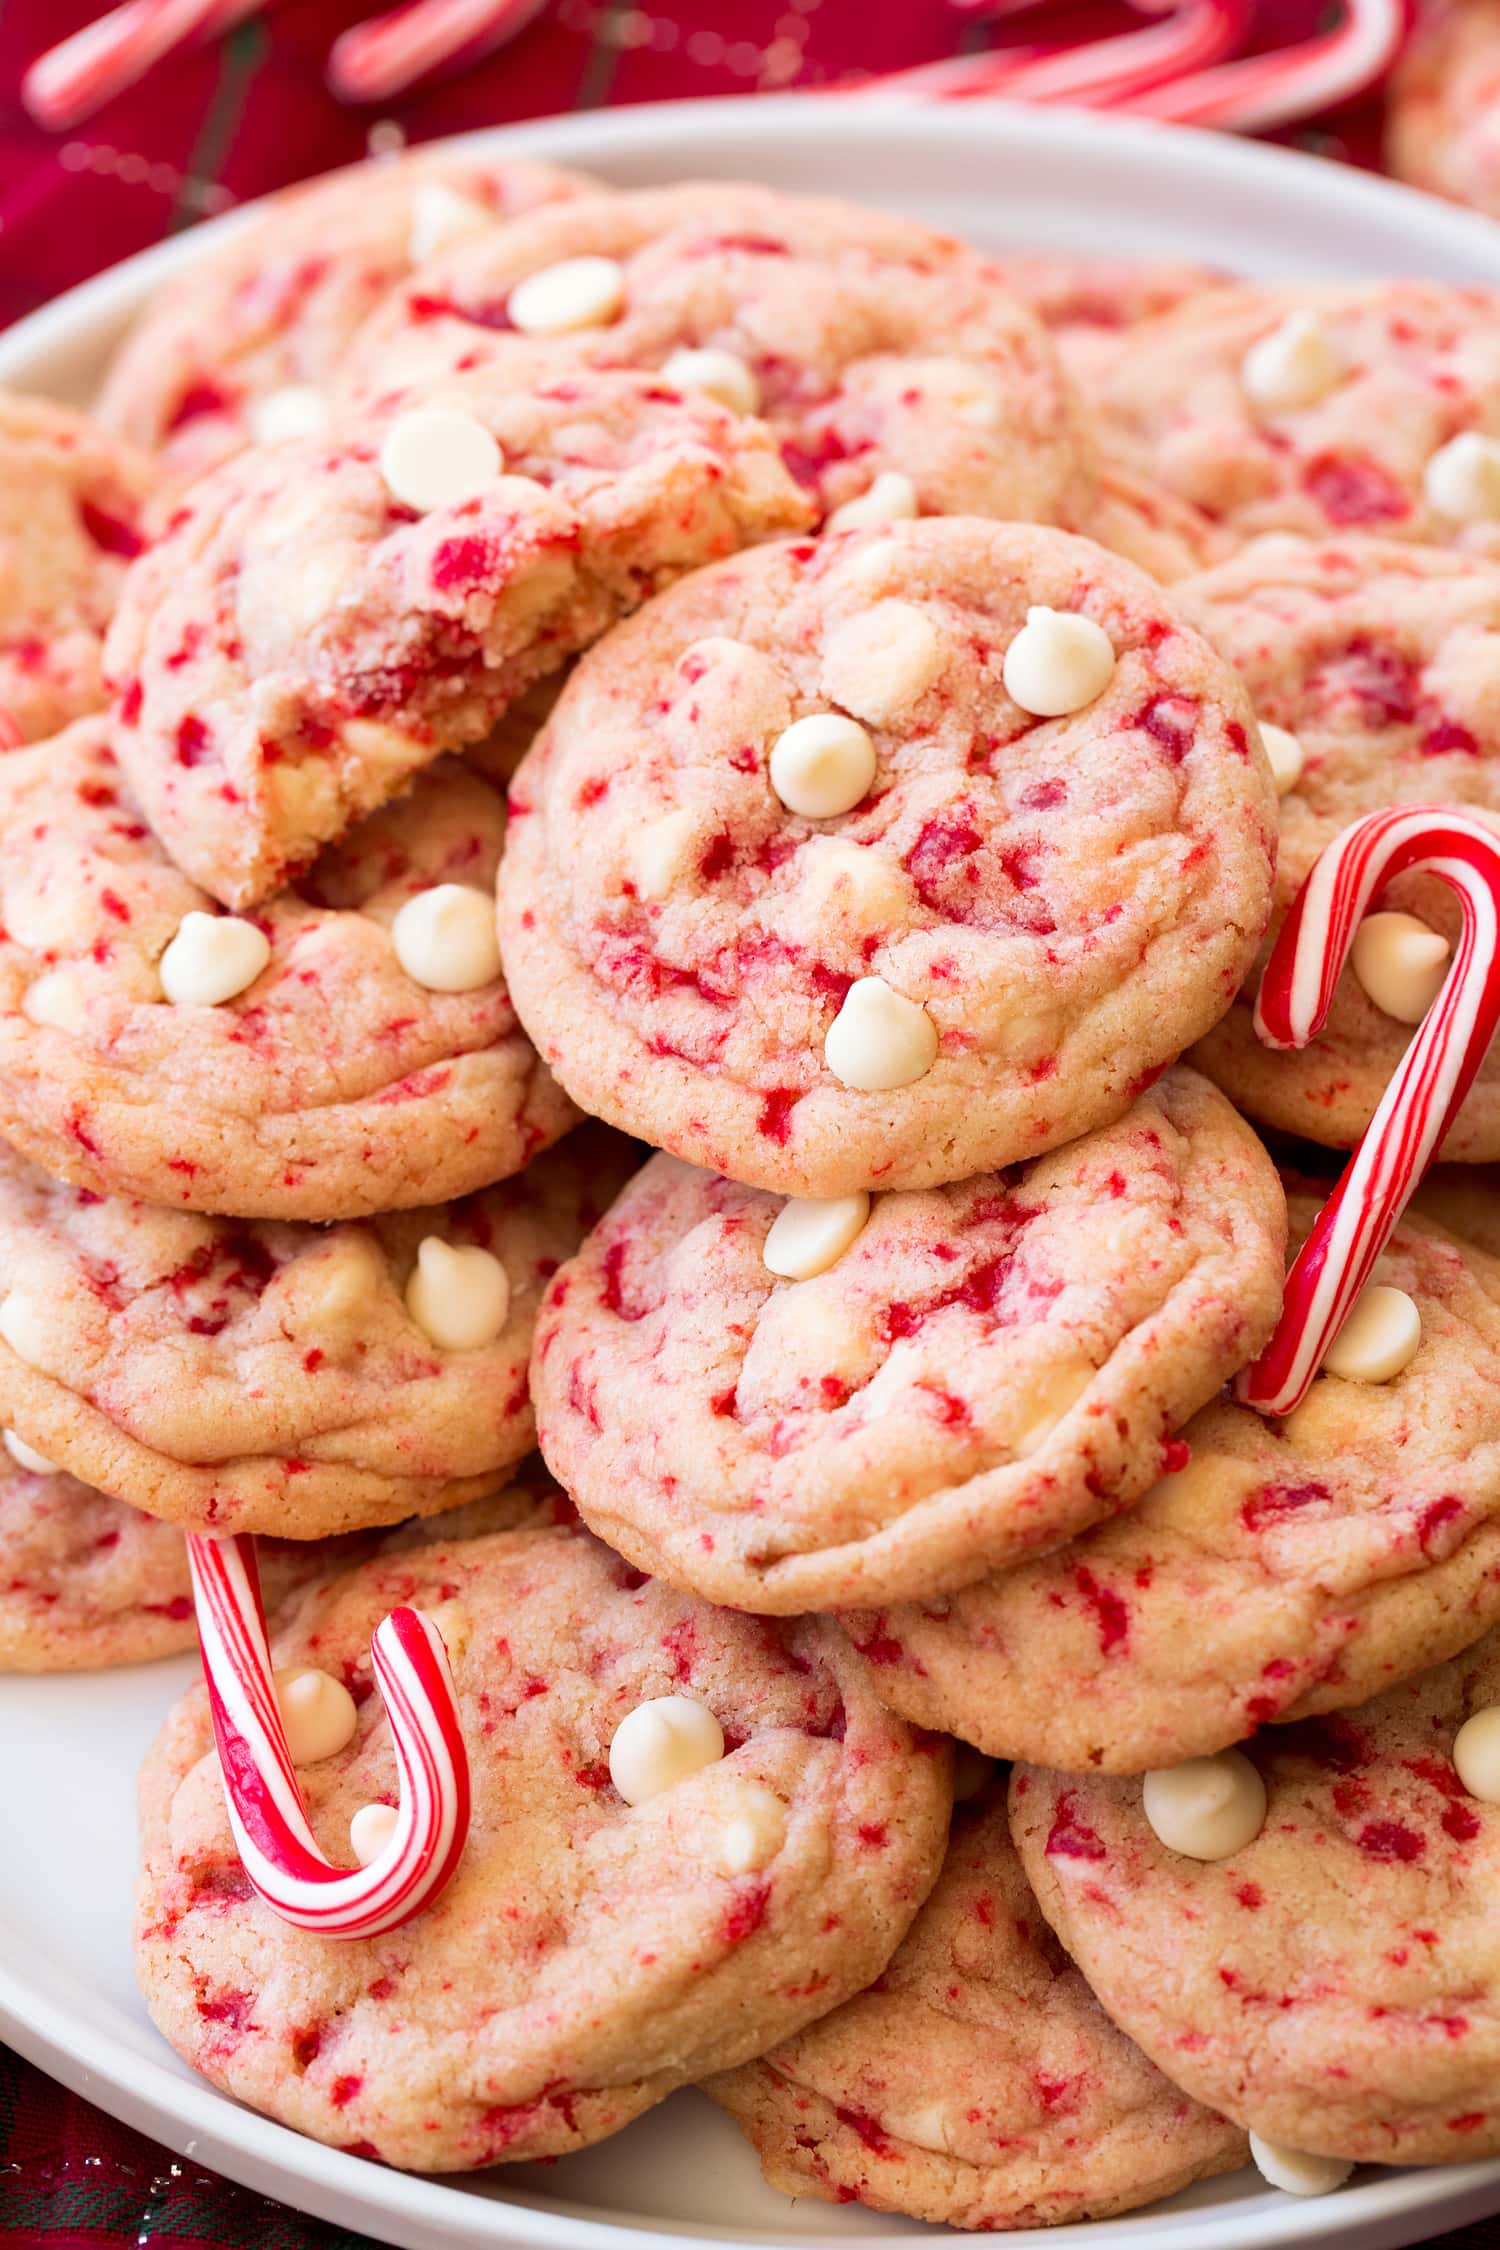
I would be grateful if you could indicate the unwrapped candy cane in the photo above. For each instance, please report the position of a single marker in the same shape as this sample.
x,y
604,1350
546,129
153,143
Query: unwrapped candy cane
x,y
1423,1097
276,1844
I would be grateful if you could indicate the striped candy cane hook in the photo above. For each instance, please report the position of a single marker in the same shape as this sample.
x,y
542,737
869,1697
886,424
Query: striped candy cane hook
x,y
276,1844
1423,1097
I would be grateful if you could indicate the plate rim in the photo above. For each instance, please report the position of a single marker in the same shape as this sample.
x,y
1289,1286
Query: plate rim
x,y
188,2114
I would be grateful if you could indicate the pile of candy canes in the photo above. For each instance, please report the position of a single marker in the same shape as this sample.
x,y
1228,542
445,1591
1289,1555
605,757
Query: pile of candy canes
x,y
1185,62
280,1854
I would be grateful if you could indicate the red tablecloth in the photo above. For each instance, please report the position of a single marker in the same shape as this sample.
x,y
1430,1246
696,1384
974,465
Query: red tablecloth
x,y
208,129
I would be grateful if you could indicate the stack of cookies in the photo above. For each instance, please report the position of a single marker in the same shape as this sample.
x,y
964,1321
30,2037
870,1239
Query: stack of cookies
x,y
968,663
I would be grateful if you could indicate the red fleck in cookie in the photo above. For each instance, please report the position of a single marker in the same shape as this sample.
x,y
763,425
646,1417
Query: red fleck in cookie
x,y
1378,665
350,1049
978,2083
321,619
805,885
240,347
881,354
87,1582
793,1406
70,503
1089,303
1283,1568
640,1901
231,1376
1319,409
1443,105
1332,1979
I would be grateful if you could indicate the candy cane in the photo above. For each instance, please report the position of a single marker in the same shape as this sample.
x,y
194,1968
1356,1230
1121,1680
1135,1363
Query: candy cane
x,y
1097,73
381,57
276,1844
1259,92
1423,1097
83,72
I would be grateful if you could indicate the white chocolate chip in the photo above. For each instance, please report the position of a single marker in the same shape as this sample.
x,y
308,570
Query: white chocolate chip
x,y
56,1000
658,854
1294,2171
24,1327
1054,1393
445,938
879,1039
440,216
822,765
370,1832
317,1712
437,456
1284,755
1476,1752
1462,479
1400,963
840,879
892,498
296,410
1294,366
459,1298
26,1456
972,1771
1206,1808
661,1743
807,1237
881,662
723,375
1058,662
213,957
754,1832
1381,1336
576,293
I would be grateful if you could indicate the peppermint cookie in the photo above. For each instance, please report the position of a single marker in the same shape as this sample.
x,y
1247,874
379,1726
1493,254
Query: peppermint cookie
x,y
321,619
978,2083
595,1949
1090,303
350,1049
1464,1198
87,1582
1378,665
792,1406
1326,1903
1443,105
1282,1568
280,1378
70,506
895,366
240,348
1319,409
888,859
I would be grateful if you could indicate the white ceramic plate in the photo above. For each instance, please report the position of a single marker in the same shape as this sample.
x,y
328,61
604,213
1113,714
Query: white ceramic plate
x,y
70,1748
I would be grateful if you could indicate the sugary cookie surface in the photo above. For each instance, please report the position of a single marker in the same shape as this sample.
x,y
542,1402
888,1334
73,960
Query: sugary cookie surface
x,y
1322,409
321,619
232,1375
978,2084
875,348
1333,1979
791,1405
796,888
72,502
591,1953
288,1066
241,349
1282,1568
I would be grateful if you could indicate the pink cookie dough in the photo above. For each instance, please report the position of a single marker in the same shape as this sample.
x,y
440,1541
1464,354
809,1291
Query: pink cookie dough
x,y
1069,901
589,1955
984,1371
